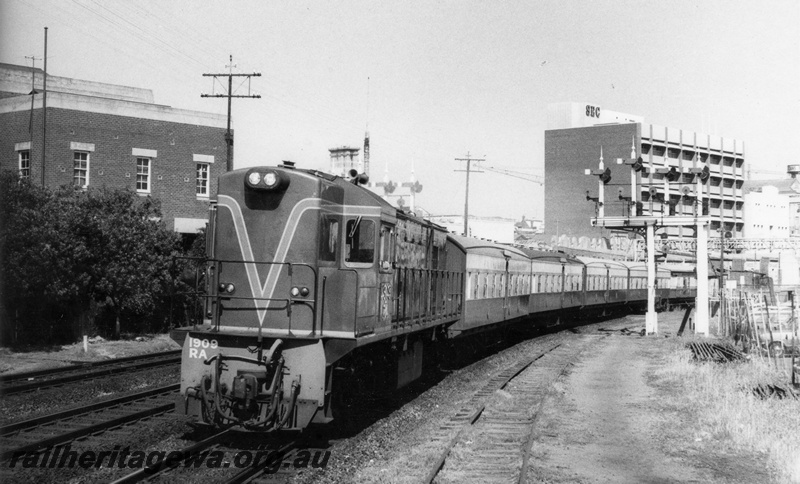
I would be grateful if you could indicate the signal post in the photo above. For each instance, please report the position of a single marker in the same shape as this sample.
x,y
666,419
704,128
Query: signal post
x,y
637,222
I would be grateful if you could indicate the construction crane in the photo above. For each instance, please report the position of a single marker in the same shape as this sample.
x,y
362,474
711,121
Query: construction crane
x,y
516,174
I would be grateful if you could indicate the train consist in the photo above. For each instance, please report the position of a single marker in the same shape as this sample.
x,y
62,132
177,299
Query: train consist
x,y
311,276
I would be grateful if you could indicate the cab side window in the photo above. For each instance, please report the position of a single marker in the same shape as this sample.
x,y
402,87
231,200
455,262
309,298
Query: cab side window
x,y
386,245
328,238
359,241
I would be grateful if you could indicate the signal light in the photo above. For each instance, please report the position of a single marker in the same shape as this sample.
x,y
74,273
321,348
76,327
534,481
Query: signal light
x,y
639,209
673,174
638,165
605,177
705,174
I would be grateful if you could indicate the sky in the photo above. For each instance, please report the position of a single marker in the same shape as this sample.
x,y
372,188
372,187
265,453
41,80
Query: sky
x,y
434,80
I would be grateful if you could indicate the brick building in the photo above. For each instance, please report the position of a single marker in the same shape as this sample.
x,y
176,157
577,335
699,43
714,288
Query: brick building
x,y
103,134
573,142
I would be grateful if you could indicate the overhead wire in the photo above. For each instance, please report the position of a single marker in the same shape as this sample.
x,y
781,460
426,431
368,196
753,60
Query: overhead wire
x,y
282,91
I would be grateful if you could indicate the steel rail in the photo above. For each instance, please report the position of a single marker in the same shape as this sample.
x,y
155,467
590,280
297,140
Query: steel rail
x,y
250,472
77,366
465,418
150,471
108,368
164,402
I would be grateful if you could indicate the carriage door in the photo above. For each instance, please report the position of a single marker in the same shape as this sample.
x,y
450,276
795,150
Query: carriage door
x,y
385,275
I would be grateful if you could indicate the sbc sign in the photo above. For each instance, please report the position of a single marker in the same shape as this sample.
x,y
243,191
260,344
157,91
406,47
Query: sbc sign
x,y
592,111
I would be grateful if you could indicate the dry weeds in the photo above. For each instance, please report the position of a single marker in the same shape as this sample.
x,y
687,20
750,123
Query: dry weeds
x,y
721,397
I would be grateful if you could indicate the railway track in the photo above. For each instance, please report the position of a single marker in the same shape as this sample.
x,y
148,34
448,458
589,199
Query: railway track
x,y
266,460
489,439
41,379
59,428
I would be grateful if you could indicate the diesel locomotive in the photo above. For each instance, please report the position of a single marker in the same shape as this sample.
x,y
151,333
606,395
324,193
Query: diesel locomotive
x,y
309,275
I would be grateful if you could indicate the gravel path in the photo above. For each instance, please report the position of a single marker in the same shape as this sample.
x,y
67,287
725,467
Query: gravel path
x,y
608,431
608,423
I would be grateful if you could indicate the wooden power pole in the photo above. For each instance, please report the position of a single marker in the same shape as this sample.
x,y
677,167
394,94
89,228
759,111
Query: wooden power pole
x,y
469,161
230,95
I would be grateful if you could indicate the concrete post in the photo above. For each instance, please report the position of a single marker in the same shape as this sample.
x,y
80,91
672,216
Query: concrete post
x,y
651,319
701,303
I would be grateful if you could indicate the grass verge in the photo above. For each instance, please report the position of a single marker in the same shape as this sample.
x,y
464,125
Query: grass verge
x,y
721,398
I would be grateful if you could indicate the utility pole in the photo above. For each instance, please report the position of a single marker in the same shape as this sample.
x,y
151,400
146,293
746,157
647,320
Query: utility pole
x,y
230,75
469,160
33,88
44,109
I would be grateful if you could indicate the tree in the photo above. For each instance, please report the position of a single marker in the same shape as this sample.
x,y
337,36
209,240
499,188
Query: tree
x,y
61,250
132,251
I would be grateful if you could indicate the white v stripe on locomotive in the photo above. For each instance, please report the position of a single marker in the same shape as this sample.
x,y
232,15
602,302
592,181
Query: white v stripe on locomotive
x,y
260,293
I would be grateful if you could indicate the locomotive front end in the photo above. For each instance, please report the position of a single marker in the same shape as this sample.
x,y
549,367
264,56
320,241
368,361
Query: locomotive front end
x,y
259,362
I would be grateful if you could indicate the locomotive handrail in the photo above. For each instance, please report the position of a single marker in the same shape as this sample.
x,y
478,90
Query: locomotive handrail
x,y
288,301
218,298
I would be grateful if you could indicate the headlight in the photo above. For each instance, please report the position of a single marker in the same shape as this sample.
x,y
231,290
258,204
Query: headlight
x,y
254,178
270,179
267,179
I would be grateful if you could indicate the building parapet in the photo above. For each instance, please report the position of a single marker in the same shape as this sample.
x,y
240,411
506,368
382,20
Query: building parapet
x,y
101,105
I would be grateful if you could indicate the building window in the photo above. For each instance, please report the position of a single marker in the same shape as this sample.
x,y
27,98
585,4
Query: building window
x,y
143,175
80,171
25,164
202,179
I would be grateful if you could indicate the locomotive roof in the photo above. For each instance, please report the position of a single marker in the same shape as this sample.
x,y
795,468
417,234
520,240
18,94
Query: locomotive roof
x,y
363,194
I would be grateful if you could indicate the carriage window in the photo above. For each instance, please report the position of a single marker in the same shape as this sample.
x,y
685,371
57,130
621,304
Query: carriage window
x,y
360,241
328,238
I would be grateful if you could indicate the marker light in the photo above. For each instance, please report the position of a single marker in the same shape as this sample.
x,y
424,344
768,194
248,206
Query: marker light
x,y
226,287
299,291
